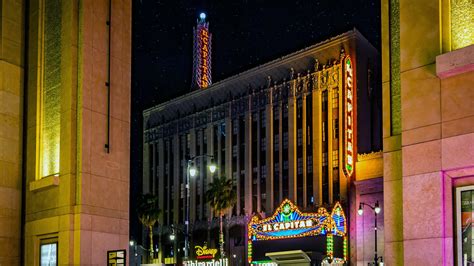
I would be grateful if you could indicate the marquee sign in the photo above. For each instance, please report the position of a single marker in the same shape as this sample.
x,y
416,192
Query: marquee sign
x,y
349,117
289,222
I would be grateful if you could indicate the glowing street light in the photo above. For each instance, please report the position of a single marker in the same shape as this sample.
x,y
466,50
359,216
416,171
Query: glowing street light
x,y
376,208
192,172
202,16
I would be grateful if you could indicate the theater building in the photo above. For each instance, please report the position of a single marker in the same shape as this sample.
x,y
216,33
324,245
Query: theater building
x,y
305,128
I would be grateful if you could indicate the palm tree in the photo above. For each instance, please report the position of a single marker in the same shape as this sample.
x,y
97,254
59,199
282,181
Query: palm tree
x,y
222,196
149,214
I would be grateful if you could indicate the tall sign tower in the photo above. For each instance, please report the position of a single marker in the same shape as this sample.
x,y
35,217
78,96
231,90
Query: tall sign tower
x,y
202,54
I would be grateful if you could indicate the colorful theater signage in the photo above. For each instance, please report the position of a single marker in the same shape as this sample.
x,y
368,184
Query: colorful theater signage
x,y
203,252
219,262
204,66
289,222
349,128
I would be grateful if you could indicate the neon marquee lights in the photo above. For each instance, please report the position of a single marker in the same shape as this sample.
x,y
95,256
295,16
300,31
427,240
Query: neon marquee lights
x,y
202,53
205,57
289,222
349,128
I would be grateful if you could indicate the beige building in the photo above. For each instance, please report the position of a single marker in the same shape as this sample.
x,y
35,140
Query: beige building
x,y
428,99
64,130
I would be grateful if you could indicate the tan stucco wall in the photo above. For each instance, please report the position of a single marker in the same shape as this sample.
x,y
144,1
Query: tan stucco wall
x,y
436,136
87,206
11,126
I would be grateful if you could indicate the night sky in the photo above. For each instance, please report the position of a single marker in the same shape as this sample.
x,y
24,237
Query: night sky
x,y
245,34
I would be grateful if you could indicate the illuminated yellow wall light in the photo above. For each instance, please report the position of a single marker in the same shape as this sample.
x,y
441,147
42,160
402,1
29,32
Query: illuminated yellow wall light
x,y
50,119
462,23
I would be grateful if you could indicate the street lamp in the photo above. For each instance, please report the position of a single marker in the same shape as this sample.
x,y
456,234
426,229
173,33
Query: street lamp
x,y
376,209
192,171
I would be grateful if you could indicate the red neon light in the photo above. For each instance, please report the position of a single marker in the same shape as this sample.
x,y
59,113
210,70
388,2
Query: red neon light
x,y
204,67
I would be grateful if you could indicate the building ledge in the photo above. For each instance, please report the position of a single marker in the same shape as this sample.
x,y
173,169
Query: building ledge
x,y
45,183
455,62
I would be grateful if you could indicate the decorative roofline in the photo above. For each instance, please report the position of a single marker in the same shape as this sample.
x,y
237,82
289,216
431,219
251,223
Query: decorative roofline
x,y
369,156
262,68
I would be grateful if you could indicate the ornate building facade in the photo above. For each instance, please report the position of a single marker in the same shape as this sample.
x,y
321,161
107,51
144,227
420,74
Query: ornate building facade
x,y
64,131
289,129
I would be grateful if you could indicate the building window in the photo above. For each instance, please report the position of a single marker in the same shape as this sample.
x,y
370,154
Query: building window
x,y
276,113
310,164
335,132
235,127
325,158
234,151
263,119
285,140
276,142
49,252
263,144
324,131
285,111
300,166
335,99
263,171
335,158
464,228
300,136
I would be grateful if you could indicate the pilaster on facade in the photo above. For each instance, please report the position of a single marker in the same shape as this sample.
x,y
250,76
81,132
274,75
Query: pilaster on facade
x,y
304,145
280,107
269,155
317,146
292,158
177,182
330,143
193,180
248,161
160,189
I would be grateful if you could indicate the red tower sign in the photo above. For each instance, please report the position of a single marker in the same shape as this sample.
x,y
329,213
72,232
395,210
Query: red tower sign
x,y
202,55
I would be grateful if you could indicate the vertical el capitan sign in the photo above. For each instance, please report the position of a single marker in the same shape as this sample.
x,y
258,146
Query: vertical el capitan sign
x,y
205,55
349,117
202,56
